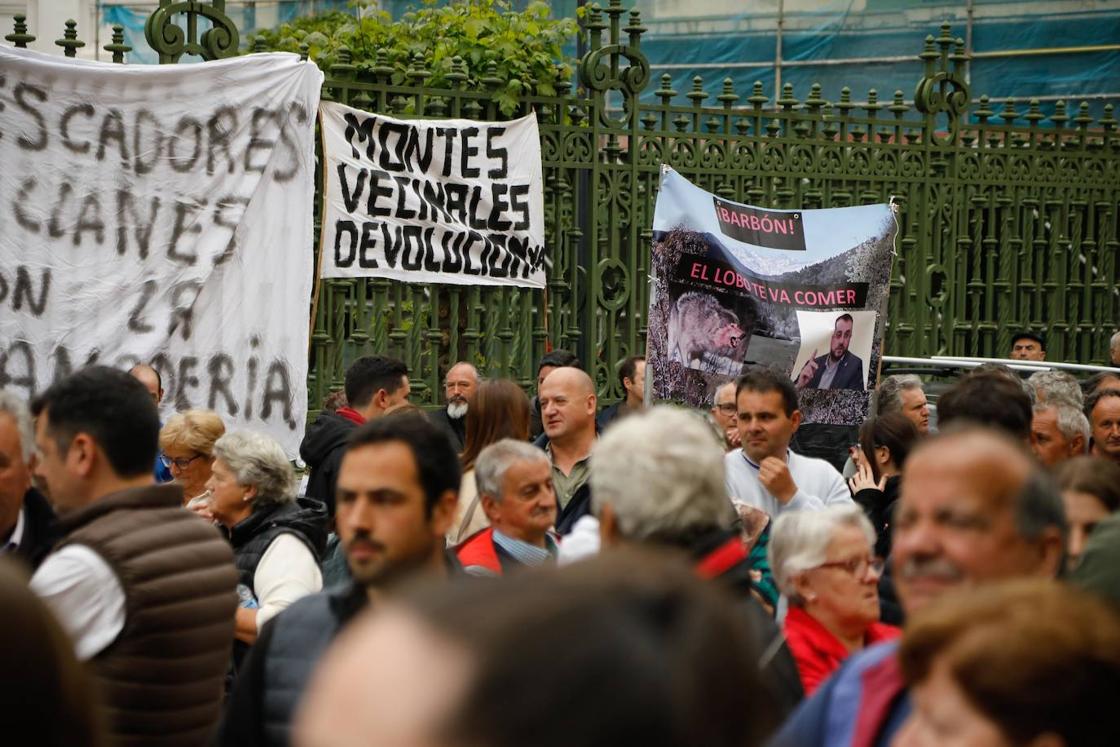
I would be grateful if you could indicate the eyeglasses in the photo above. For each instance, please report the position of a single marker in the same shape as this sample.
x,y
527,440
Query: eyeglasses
x,y
857,566
180,462
727,408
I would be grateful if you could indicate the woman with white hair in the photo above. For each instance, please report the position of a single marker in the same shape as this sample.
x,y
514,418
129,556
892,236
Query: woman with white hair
x,y
823,563
277,539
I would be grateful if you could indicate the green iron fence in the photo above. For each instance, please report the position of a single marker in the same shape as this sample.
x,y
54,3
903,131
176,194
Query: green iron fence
x,y
1008,218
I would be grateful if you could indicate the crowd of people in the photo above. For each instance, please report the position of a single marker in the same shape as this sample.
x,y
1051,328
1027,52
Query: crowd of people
x,y
551,570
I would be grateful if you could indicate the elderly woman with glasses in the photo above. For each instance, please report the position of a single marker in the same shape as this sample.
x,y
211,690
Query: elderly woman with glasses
x,y
823,563
186,444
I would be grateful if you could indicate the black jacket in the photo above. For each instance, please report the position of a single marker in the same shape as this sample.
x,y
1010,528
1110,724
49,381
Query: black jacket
x,y
280,663
277,669
610,414
305,519
848,376
455,428
879,507
322,450
536,424
39,533
779,671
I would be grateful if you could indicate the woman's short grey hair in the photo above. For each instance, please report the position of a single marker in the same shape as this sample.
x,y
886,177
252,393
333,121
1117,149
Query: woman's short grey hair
x,y
889,392
662,473
15,406
495,460
256,459
799,541
1051,385
1071,420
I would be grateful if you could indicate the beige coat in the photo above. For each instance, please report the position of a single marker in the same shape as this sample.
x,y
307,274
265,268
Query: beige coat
x,y
469,516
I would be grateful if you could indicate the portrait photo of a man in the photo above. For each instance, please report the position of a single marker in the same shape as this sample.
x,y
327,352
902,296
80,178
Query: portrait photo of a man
x,y
839,368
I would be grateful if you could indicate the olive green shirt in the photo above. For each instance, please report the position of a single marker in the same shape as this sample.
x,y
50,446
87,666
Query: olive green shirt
x,y
567,485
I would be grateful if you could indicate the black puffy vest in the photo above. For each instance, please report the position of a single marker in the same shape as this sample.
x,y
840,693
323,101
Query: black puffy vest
x,y
300,635
305,519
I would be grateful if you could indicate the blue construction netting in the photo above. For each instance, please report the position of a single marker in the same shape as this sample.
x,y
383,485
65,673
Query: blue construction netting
x,y
1042,48
248,16
1048,49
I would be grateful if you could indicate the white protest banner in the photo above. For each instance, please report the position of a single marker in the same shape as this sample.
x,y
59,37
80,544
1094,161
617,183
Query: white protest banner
x,y
432,201
161,215
801,291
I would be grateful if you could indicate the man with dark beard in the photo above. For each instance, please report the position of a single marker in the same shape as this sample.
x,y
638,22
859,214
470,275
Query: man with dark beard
x,y
397,489
459,387
840,368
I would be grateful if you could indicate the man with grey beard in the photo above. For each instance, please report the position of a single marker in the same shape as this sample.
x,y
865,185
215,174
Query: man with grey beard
x,y
459,387
975,508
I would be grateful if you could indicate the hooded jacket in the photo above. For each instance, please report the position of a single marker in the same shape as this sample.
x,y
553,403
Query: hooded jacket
x,y
322,449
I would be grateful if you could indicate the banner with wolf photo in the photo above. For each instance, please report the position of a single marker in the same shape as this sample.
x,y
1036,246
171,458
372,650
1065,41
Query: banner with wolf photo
x,y
801,291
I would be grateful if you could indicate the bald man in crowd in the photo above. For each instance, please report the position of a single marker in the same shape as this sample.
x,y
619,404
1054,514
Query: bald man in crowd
x,y
153,382
568,406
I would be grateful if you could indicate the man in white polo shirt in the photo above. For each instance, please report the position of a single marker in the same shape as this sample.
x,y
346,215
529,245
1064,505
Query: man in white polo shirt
x,y
764,473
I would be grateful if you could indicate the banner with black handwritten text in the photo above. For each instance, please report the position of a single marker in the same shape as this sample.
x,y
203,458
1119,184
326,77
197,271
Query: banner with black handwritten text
x,y
161,214
432,201
801,291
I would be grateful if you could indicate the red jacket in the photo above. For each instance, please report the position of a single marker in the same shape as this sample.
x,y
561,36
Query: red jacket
x,y
818,652
478,550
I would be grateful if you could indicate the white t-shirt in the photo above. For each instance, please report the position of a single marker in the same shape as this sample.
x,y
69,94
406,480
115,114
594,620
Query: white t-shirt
x,y
818,484
85,596
582,542
87,599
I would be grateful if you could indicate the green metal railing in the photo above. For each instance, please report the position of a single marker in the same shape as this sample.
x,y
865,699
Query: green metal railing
x,y
1008,219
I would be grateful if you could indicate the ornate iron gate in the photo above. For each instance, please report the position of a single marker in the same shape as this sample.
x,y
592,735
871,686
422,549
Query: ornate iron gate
x,y
1008,219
